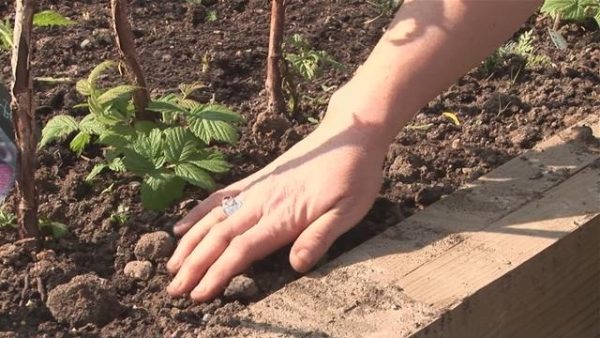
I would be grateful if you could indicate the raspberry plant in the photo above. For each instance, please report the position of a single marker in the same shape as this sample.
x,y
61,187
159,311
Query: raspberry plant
x,y
575,10
166,154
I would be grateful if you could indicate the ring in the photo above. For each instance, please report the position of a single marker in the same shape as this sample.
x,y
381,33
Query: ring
x,y
230,205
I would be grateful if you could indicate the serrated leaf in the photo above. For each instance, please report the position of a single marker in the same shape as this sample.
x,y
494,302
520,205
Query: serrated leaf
x,y
117,165
111,116
165,107
83,87
137,163
189,104
96,170
115,93
114,140
209,131
90,125
160,190
576,10
147,155
215,165
151,146
98,70
452,117
50,18
194,175
79,142
58,127
180,145
216,112
188,89
145,127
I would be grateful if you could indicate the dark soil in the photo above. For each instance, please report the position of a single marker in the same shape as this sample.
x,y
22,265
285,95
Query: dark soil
x,y
501,113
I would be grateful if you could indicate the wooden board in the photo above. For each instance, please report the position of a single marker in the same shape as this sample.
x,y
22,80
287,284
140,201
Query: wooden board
x,y
423,271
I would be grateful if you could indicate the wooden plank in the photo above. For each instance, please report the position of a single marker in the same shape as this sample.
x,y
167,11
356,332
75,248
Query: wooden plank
x,y
395,283
555,294
506,243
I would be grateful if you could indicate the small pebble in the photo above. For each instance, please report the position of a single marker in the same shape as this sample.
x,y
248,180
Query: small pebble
x,y
456,144
153,246
85,43
140,270
241,287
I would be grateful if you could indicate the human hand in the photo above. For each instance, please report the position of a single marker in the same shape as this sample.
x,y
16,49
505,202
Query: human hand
x,y
310,195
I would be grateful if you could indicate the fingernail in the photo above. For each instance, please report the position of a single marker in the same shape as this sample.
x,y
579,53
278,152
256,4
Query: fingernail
x,y
176,227
174,286
198,292
305,258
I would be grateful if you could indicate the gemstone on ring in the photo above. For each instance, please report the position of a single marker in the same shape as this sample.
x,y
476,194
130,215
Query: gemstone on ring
x,y
230,205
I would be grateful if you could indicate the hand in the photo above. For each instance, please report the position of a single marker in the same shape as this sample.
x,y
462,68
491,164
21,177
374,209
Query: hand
x,y
311,195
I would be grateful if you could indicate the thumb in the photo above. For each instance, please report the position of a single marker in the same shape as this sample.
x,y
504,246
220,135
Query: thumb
x,y
316,239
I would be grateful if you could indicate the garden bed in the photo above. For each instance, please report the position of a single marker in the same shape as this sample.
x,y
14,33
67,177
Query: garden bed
x,y
502,112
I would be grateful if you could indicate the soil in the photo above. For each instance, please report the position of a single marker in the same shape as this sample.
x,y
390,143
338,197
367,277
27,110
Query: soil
x,y
502,113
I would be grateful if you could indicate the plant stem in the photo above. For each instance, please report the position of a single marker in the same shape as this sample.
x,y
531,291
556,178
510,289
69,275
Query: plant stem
x,y
274,77
125,42
24,119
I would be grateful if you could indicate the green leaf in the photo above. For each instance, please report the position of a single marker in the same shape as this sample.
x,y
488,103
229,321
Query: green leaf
x,y
117,165
576,10
208,130
194,175
137,163
160,190
188,89
115,93
90,125
58,127
79,142
189,104
213,163
96,170
217,112
98,70
151,146
50,18
145,127
111,116
6,35
180,145
211,16
146,156
114,140
165,107
57,229
83,87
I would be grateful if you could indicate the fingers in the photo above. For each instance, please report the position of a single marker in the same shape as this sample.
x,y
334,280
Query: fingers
x,y
201,210
316,239
204,253
189,241
256,243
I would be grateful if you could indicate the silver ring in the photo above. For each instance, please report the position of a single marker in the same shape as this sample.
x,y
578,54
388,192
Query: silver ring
x,y
230,205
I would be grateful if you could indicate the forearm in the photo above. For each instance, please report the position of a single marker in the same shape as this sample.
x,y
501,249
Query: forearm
x,y
429,45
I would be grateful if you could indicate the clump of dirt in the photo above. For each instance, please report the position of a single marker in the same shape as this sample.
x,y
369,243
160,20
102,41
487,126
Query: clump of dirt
x,y
86,299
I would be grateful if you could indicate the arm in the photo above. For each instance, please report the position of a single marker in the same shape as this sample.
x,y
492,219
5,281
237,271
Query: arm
x,y
326,183
429,45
